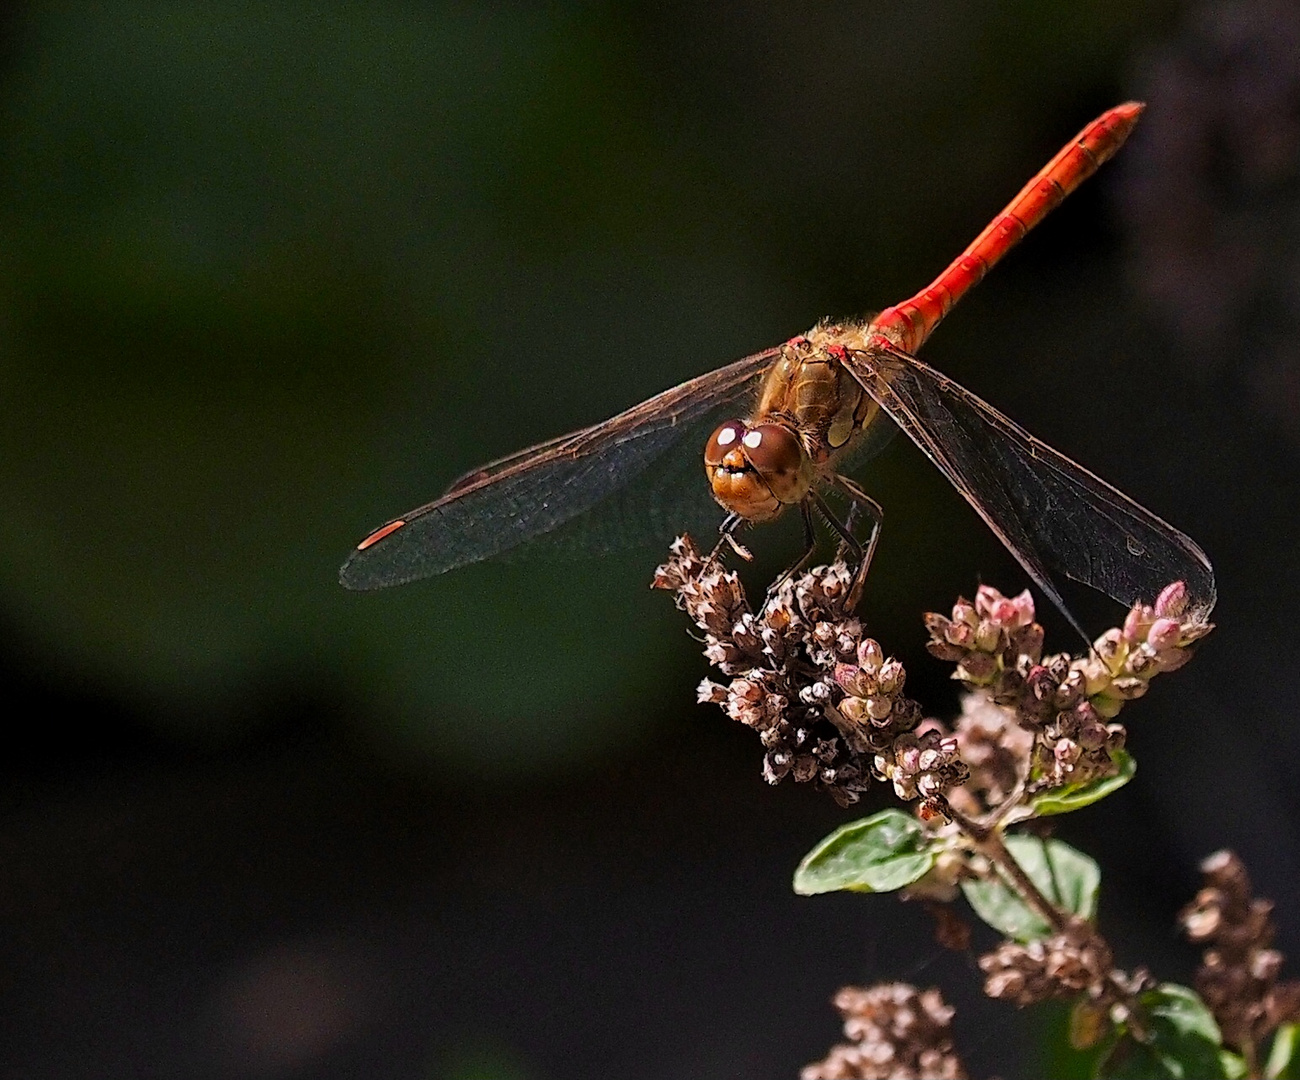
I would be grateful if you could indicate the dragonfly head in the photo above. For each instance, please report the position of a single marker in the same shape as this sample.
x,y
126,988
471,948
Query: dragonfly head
x,y
757,471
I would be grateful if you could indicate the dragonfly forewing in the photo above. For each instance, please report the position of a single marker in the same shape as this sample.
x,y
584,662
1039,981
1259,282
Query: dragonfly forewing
x,y
562,483
1052,514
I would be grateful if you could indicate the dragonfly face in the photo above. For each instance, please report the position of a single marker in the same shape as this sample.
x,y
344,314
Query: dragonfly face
x,y
757,471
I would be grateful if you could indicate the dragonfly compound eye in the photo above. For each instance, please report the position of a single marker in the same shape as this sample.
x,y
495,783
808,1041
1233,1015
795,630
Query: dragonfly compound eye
x,y
777,455
756,472
735,482
723,442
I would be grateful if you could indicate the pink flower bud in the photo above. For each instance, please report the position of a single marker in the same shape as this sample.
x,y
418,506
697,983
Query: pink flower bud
x,y
906,714
1164,633
805,768
1087,713
721,652
870,655
1007,984
1024,609
1092,736
816,694
1028,641
1136,623
743,712
1203,922
963,612
778,618
986,596
1066,751
1003,612
1172,600
1070,690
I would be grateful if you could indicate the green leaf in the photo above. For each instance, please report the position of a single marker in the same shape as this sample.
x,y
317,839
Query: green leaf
x,y
880,853
1183,1041
1234,1065
1062,800
1068,878
1283,1061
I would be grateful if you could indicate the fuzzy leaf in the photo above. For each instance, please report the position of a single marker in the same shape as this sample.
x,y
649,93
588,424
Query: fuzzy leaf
x,y
1076,796
1234,1065
1284,1057
1068,878
880,853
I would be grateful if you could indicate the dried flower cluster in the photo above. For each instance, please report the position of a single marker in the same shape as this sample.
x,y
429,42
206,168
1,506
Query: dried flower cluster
x,y
1239,969
996,749
1068,703
829,707
1065,965
826,702
896,1032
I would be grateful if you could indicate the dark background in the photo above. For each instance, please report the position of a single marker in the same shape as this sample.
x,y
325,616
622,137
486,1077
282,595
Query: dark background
x,y
270,274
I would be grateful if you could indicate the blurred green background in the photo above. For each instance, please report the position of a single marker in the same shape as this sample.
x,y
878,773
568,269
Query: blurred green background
x,y
272,273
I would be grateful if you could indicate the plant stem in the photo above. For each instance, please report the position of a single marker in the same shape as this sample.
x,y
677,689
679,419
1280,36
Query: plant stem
x,y
988,841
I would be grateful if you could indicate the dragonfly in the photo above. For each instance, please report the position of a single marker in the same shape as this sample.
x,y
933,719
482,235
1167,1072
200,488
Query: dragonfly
x,y
818,402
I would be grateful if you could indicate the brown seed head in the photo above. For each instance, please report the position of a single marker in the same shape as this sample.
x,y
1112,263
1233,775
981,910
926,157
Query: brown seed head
x,y
1239,970
895,1032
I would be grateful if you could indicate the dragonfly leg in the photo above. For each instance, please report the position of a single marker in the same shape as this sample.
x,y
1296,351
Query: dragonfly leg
x,y
848,542
859,499
727,531
810,548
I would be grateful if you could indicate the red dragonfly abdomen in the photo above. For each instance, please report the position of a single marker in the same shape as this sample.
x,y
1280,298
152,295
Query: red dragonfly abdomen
x,y
908,324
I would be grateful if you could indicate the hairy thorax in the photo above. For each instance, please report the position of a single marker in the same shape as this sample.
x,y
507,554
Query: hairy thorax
x,y
810,389
810,410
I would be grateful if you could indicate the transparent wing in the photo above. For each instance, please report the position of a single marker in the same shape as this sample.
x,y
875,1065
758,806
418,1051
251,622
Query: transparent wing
x,y
528,494
1052,515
